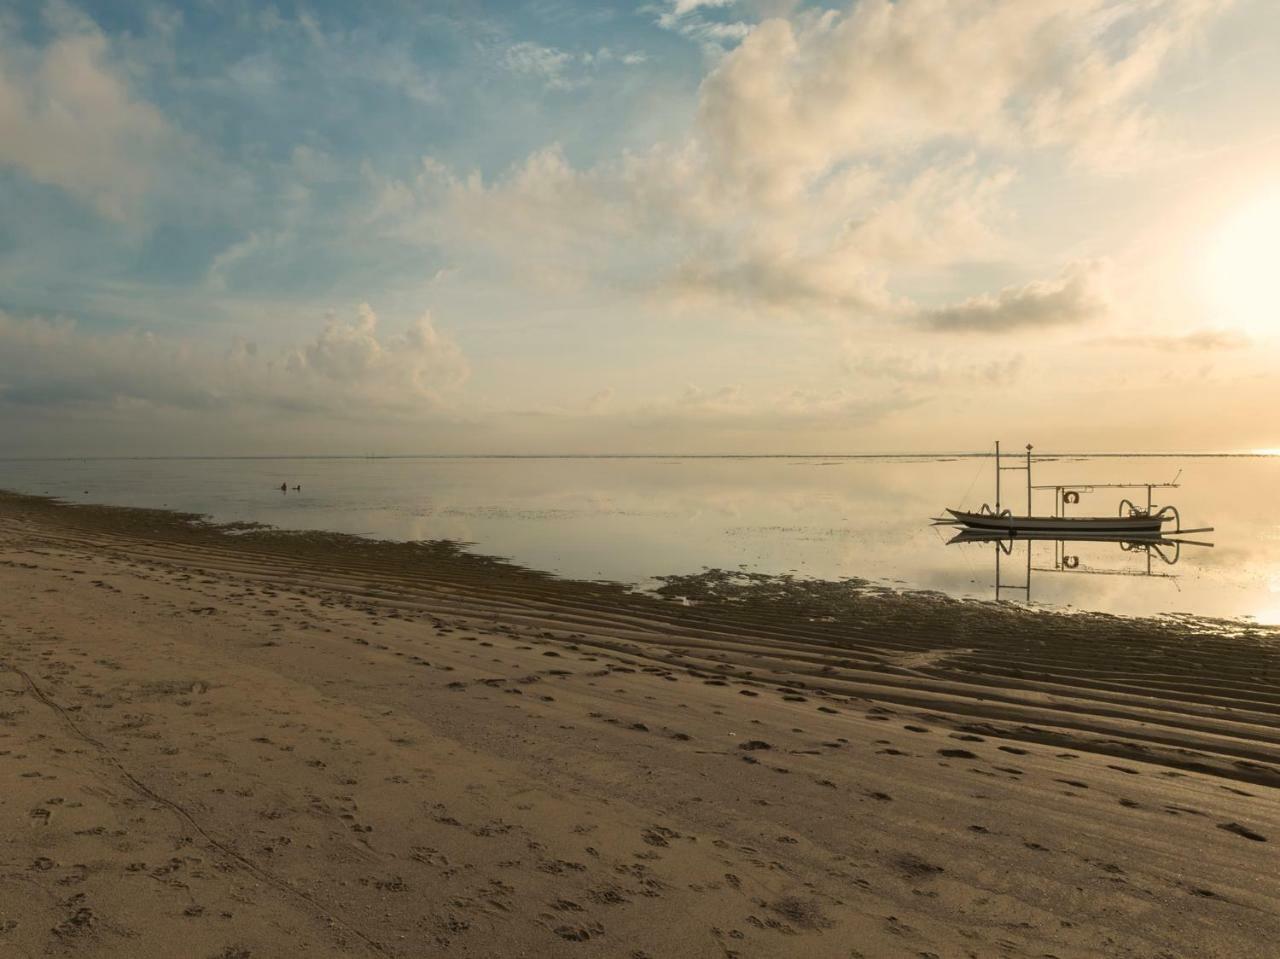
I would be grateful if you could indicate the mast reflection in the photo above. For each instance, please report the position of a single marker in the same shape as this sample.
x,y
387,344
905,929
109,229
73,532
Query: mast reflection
x,y
1156,554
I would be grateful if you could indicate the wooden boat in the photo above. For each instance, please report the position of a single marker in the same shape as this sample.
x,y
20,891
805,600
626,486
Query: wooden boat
x,y
1063,526
1139,524
1130,521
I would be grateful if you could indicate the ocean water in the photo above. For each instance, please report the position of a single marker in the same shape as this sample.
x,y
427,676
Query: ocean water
x,y
634,519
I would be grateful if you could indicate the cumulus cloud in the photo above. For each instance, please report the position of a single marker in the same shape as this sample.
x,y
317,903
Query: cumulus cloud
x,y
347,369
802,95
69,118
832,151
657,223
419,364
1075,297
838,248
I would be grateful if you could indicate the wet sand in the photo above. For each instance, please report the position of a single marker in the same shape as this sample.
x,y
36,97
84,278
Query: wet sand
x,y
240,743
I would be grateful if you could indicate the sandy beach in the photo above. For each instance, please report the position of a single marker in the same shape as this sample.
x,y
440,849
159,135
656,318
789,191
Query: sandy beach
x,y
233,743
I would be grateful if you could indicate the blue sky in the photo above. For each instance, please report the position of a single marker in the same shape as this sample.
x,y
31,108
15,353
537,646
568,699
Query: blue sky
x,y
261,103
678,225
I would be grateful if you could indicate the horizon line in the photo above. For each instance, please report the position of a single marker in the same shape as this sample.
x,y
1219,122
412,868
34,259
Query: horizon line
x,y
1200,454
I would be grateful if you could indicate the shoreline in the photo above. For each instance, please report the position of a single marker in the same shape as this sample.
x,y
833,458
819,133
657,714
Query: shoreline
x,y
445,753
173,525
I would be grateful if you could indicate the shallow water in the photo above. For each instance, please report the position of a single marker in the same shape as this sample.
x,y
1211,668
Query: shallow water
x,y
634,519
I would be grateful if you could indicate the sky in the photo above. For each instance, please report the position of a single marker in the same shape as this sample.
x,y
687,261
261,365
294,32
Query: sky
x,y
675,226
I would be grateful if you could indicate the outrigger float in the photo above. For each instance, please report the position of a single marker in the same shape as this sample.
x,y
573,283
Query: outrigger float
x,y
1131,521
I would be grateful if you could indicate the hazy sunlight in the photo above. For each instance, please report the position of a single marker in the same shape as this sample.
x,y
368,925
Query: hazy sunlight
x,y
1240,270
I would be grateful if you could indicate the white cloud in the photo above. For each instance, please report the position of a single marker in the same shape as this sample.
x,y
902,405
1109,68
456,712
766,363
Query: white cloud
x,y
801,96
419,364
660,224
837,248
544,63
682,8
692,19
559,69
1075,297
348,369
69,118
831,152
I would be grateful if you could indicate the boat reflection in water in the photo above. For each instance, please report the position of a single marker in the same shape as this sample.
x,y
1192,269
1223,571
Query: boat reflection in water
x,y
1155,553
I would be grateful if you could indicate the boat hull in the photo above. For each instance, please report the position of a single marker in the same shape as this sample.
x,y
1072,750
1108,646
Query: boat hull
x,y
967,535
1013,525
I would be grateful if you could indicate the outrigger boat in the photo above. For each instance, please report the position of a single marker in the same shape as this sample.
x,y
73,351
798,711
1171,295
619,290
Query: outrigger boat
x,y
1131,521
1138,523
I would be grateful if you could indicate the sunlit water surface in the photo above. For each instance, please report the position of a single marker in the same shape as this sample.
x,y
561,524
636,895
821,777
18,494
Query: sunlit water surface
x,y
635,519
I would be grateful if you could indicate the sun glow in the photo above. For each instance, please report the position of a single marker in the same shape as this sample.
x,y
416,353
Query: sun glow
x,y
1242,267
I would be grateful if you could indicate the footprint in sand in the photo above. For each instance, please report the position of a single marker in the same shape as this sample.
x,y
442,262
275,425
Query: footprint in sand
x,y
916,867
579,933
1239,830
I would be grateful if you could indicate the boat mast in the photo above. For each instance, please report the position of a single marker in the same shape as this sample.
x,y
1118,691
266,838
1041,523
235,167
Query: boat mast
x,y
1028,480
997,477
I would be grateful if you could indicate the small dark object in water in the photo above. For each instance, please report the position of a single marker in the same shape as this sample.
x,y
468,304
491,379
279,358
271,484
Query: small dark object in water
x,y
298,488
284,487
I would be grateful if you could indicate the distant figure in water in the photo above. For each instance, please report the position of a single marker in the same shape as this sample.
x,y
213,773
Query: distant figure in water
x,y
298,488
284,488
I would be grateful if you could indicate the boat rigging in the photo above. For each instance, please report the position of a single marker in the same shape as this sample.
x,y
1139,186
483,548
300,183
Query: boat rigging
x,y
1130,520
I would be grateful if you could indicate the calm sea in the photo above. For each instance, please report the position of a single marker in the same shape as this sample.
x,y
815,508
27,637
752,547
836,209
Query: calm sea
x,y
633,519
